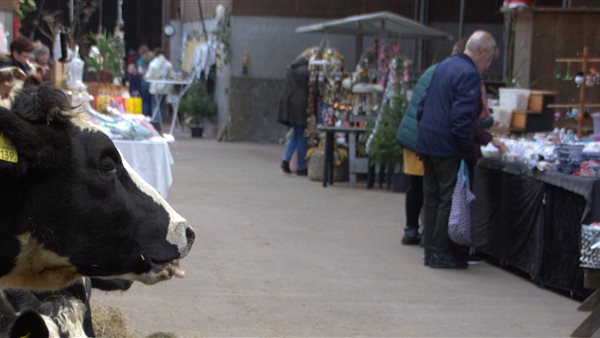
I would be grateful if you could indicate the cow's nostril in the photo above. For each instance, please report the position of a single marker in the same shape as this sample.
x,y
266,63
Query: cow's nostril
x,y
189,233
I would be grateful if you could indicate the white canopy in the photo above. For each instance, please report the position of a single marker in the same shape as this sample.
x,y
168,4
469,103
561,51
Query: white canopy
x,y
376,24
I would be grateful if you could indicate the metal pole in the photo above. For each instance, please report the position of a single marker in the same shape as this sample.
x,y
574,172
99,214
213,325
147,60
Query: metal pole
x,y
507,51
420,44
461,19
100,18
120,21
202,20
358,44
71,8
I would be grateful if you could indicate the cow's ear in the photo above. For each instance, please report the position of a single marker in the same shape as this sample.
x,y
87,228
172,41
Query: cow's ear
x,y
36,125
29,324
19,138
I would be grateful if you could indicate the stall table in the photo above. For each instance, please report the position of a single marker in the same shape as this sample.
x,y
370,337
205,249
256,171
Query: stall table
x,y
532,220
329,144
180,88
151,159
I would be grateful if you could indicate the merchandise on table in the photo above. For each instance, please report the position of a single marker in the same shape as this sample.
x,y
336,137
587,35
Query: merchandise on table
x,y
122,126
590,246
552,151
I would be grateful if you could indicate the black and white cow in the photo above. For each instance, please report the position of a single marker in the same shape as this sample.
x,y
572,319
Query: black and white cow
x,y
70,206
64,313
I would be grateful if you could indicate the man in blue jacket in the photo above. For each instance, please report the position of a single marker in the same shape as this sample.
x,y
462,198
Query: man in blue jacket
x,y
447,114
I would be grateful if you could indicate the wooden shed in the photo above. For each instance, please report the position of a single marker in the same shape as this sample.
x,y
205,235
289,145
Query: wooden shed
x,y
544,34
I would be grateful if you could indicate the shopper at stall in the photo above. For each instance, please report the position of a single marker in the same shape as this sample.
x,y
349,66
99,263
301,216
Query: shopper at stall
x,y
41,61
134,79
20,54
142,63
413,166
447,114
159,69
293,113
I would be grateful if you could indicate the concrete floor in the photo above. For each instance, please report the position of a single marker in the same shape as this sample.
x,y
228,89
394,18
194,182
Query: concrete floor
x,y
278,255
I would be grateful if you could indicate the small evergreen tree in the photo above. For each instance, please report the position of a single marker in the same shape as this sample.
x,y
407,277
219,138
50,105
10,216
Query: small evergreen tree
x,y
384,149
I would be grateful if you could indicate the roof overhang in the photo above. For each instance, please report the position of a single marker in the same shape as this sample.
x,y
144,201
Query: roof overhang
x,y
379,24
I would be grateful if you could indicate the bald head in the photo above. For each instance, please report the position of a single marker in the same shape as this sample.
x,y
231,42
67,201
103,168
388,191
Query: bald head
x,y
481,48
481,40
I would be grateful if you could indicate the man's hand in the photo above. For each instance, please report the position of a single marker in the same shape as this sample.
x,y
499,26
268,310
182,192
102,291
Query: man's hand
x,y
499,145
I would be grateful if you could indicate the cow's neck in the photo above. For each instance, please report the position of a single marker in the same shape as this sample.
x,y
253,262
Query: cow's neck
x,y
38,268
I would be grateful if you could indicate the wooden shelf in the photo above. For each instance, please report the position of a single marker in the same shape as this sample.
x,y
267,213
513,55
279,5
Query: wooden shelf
x,y
577,59
584,59
573,105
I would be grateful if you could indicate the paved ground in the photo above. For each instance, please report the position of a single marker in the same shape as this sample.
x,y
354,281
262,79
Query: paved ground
x,y
279,255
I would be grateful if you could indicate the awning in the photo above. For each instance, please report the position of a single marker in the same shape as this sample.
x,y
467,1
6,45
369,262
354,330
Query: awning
x,y
377,24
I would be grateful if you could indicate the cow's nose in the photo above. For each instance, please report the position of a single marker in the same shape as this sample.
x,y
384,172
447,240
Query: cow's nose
x,y
190,235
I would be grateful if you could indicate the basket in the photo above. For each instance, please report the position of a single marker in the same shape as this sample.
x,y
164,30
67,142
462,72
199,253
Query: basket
x,y
590,252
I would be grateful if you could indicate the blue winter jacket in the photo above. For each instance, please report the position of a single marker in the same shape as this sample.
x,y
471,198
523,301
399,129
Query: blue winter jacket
x,y
407,131
448,109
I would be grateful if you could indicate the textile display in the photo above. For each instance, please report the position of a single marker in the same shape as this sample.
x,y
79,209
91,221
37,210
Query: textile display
x,y
188,55
459,223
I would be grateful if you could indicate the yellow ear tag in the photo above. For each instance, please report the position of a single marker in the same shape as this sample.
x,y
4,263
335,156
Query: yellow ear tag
x,y
8,151
27,335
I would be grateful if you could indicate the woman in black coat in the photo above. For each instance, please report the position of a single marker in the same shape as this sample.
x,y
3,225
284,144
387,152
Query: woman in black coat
x,y
292,112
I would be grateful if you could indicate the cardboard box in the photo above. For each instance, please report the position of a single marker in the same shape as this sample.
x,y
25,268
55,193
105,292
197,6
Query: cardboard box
x,y
519,119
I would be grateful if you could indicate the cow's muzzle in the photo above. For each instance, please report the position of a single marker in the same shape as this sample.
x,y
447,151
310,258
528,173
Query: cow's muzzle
x,y
181,235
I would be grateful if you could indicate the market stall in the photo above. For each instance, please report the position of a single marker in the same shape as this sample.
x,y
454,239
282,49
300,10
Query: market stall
x,y
531,204
132,133
380,74
532,221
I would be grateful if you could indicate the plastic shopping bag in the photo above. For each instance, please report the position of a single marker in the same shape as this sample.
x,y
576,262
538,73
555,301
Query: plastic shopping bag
x,y
459,223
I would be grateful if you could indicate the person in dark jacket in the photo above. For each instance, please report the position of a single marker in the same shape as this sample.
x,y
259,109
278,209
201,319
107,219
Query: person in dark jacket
x,y
412,164
20,53
447,115
292,112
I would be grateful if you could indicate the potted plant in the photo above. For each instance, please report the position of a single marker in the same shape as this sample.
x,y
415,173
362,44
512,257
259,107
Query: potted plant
x,y
106,57
197,106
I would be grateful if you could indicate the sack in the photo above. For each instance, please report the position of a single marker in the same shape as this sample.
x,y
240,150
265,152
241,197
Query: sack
x,y
459,223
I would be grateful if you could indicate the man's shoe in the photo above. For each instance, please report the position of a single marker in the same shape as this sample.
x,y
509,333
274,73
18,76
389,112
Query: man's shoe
x,y
446,261
302,172
411,237
285,166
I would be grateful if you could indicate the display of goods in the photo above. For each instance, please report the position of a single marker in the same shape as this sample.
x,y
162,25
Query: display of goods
x,y
590,246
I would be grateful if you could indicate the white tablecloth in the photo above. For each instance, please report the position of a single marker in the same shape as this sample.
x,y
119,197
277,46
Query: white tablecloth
x,y
151,159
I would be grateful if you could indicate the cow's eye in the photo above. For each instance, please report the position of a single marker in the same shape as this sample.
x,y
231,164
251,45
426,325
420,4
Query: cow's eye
x,y
107,166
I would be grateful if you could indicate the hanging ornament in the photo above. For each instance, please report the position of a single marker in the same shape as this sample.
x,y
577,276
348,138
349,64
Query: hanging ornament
x,y
589,80
579,78
557,115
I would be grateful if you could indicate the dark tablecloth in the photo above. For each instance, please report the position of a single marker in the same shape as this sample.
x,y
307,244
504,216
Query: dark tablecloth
x,y
532,220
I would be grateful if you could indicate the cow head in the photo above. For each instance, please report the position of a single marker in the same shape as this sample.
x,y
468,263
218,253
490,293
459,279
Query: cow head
x,y
70,206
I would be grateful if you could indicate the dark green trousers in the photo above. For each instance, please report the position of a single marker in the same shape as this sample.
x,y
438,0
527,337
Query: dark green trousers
x,y
438,186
